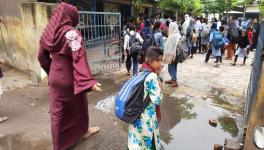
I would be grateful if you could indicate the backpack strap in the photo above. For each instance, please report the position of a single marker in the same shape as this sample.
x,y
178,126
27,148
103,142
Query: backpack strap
x,y
145,101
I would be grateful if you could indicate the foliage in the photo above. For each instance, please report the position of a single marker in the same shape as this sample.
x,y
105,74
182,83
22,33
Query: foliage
x,y
183,6
138,3
218,6
261,8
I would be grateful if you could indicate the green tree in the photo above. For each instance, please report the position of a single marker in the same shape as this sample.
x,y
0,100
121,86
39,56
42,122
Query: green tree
x,y
218,6
183,6
261,8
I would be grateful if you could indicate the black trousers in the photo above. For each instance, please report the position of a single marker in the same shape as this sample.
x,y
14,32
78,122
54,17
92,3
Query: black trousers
x,y
128,61
209,52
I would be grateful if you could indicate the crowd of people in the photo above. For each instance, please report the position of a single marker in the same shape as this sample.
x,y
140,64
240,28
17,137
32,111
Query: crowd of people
x,y
226,37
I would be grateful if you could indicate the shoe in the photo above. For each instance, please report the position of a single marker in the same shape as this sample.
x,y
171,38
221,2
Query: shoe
x,y
217,65
244,64
128,73
175,84
233,64
191,56
169,82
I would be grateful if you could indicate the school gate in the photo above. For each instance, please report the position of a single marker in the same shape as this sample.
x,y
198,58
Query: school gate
x,y
101,32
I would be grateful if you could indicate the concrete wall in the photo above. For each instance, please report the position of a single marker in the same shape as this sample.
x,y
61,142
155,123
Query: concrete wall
x,y
20,28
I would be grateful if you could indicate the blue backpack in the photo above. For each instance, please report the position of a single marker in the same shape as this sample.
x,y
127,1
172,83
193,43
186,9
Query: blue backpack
x,y
218,40
130,101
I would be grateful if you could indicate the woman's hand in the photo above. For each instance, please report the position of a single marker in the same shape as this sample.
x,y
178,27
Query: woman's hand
x,y
97,87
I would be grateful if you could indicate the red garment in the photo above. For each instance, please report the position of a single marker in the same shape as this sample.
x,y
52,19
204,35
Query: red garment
x,y
149,68
250,37
69,77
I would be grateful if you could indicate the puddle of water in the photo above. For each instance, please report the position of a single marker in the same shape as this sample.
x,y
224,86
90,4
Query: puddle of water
x,y
109,86
184,125
229,125
16,142
107,104
184,122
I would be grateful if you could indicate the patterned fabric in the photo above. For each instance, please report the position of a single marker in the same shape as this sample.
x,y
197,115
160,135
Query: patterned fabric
x,y
140,134
74,40
64,18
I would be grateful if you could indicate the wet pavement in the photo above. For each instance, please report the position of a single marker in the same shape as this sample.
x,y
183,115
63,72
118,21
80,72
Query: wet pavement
x,y
205,92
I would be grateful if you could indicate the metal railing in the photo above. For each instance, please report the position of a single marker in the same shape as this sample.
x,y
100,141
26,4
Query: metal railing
x,y
101,32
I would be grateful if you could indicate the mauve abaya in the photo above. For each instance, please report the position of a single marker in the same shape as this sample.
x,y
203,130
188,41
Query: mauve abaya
x,y
62,55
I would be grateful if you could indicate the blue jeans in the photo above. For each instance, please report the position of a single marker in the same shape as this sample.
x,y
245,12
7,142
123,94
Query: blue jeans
x,y
173,71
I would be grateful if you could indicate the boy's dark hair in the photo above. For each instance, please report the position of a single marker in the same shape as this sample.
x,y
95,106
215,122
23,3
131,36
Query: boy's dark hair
x,y
194,30
153,53
180,28
132,19
205,20
131,27
156,25
167,23
221,28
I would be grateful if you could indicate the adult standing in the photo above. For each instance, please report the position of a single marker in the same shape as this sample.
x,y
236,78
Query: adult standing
x,y
204,35
198,28
158,40
170,53
232,36
186,24
127,48
189,37
146,34
69,77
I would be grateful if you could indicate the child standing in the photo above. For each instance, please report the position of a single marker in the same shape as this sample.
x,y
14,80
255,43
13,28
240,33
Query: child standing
x,y
243,45
144,133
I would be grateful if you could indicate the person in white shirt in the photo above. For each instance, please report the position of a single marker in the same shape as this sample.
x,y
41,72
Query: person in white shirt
x,y
127,47
198,28
219,24
186,24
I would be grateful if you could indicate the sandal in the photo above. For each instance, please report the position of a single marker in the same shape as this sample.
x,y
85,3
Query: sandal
x,y
3,119
91,131
169,82
175,84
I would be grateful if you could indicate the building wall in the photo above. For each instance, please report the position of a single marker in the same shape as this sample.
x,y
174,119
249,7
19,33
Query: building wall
x,y
257,115
21,26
